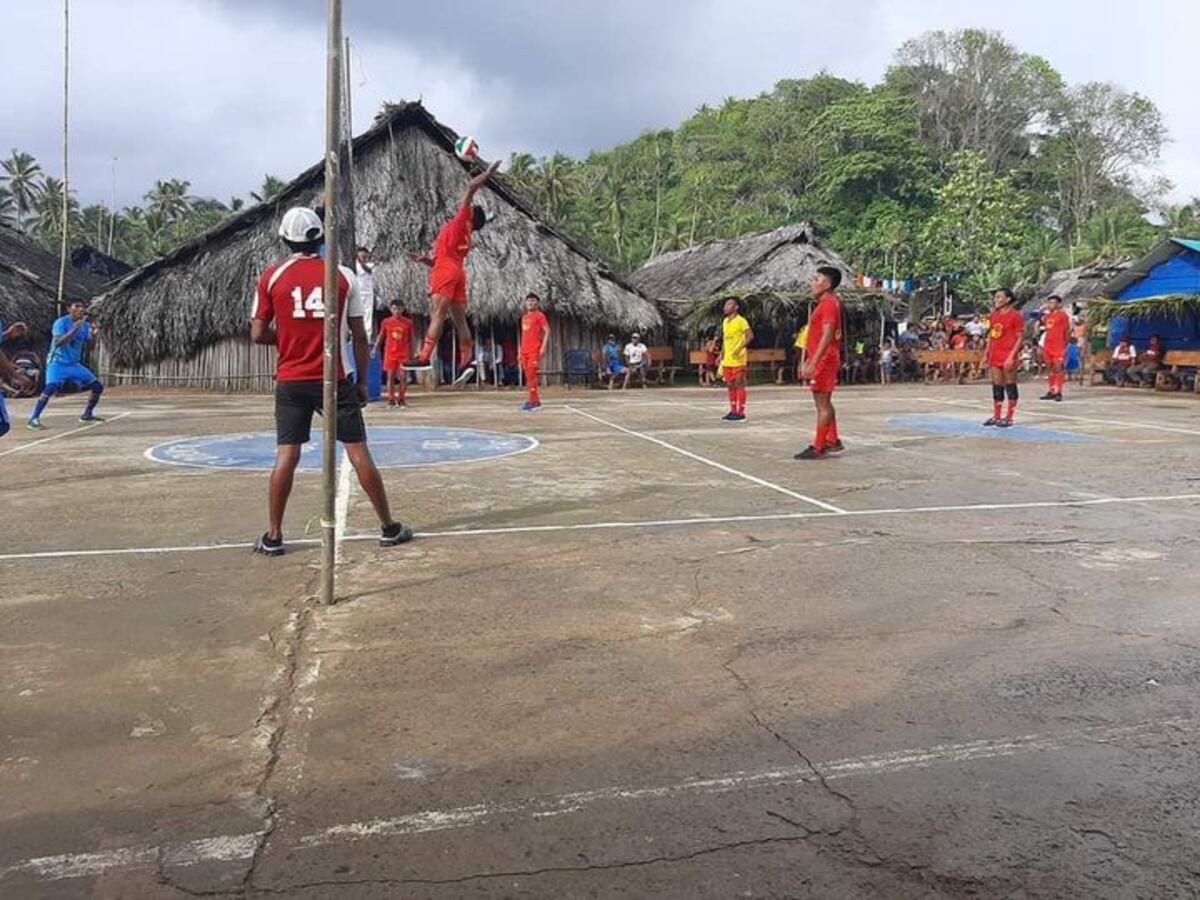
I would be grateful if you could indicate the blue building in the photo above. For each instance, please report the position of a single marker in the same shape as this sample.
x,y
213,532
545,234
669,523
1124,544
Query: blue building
x,y
1166,274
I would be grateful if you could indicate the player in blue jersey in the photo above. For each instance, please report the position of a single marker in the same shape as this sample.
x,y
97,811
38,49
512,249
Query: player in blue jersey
x,y
64,364
10,373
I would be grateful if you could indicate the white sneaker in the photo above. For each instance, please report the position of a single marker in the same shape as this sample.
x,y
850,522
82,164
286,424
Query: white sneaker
x,y
464,376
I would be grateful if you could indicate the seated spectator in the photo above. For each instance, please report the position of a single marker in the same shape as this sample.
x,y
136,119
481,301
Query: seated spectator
x,y
1144,373
1123,359
611,367
637,360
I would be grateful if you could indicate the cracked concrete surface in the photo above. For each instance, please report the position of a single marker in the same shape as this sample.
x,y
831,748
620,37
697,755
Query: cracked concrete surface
x,y
195,726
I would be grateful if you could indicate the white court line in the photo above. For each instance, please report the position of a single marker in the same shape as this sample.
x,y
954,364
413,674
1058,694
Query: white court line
x,y
237,847
341,506
1049,415
709,462
54,437
631,523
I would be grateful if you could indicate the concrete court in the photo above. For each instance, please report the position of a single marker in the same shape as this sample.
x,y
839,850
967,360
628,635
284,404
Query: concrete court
x,y
651,656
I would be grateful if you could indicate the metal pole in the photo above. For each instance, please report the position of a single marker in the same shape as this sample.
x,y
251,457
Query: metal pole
x,y
66,184
333,81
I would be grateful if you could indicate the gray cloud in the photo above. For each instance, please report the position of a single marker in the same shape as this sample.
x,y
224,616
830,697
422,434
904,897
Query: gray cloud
x,y
221,92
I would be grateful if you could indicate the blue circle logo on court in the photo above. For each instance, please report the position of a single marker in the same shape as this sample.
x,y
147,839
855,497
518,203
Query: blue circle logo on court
x,y
392,446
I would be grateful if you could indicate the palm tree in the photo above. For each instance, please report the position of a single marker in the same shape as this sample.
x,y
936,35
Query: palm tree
x,y
1182,220
170,198
236,203
614,210
520,173
22,177
1046,252
554,185
49,213
271,188
8,209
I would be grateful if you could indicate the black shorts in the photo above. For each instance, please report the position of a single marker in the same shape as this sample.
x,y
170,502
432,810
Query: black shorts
x,y
296,401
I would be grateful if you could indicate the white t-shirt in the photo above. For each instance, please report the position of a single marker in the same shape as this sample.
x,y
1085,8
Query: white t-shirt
x,y
975,329
635,353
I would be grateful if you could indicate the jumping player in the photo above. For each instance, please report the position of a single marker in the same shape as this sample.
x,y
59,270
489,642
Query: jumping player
x,y
11,373
1058,335
535,338
64,364
395,336
823,361
448,278
291,294
1003,352
736,336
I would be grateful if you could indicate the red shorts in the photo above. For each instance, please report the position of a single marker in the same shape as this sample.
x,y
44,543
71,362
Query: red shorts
x,y
394,363
1054,356
825,377
998,356
449,281
731,373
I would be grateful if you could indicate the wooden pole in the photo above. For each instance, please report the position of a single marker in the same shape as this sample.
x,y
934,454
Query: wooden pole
x,y
333,337
66,185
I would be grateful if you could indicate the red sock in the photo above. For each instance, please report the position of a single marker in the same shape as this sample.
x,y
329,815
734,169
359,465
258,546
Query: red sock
x,y
831,432
821,438
998,409
741,401
533,393
464,354
1012,408
733,400
427,349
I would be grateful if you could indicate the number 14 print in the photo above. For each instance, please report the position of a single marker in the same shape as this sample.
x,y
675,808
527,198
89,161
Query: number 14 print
x,y
314,303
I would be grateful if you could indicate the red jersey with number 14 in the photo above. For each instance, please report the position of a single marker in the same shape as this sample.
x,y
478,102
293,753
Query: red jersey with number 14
x,y
291,294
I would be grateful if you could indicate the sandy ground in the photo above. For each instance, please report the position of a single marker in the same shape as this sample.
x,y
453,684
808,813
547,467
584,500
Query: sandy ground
x,y
651,656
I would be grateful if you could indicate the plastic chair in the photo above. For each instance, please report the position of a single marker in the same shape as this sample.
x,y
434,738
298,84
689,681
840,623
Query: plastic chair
x,y
578,365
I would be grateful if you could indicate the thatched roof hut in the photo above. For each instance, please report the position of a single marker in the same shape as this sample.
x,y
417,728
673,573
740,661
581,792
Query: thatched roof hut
x,y
29,285
184,316
1082,283
771,272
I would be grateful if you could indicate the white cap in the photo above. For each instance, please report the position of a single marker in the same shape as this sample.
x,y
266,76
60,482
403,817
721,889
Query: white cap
x,y
300,225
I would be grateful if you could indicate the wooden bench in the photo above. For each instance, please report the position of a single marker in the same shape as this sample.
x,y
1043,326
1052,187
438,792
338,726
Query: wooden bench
x,y
949,357
1098,364
1171,378
661,364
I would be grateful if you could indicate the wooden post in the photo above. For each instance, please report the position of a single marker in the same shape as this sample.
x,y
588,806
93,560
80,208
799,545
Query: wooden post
x,y
66,182
333,337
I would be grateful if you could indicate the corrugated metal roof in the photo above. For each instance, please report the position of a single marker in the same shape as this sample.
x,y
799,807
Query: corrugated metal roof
x,y
1188,242
1140,268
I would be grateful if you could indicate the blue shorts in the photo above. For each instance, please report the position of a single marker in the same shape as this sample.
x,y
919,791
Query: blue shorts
x,y
5,422
57,376
615,368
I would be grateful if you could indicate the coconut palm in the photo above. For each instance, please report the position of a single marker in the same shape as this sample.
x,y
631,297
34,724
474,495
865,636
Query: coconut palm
x,y
554,185
8,209
49,211
271,188
170,198
22,176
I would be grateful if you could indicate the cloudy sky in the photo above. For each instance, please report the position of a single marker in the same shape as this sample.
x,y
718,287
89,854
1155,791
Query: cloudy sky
x,y
220,92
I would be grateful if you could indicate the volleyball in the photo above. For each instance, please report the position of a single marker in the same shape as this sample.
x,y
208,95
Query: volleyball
x,y
466,149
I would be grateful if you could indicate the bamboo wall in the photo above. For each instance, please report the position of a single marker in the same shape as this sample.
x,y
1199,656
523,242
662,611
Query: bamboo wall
x,y
230,365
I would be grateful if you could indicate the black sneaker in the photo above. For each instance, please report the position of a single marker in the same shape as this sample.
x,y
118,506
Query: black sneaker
x,y
730,416
1049,395
810,452
1058,398
992,421
269,546
396,533
1004,423
836,447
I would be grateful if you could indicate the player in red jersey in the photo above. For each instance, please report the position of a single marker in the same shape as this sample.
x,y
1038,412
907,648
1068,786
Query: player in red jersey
x,y
291,294
823,361
395,337
1058,334
1007,327
448,278
535,338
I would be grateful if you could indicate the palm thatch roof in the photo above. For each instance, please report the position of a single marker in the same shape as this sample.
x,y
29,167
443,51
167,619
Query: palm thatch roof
x,y
770,271
407,183
1082,283
29,284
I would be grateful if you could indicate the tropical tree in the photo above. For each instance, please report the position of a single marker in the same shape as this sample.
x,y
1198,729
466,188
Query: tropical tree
x,y
271,188
170,199
22,177
49,223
